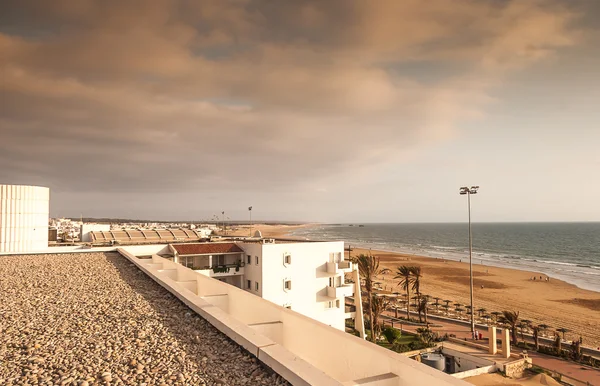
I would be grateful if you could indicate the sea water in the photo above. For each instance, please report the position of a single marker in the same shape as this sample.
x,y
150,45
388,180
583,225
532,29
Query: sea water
x,y
567,251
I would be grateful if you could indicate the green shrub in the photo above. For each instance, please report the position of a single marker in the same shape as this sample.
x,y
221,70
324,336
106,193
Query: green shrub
x,y
391,334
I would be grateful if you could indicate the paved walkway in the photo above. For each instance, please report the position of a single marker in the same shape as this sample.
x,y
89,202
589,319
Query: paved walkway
x,y
571,369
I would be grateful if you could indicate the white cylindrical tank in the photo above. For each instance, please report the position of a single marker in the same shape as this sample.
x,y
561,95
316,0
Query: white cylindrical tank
x,y
24,214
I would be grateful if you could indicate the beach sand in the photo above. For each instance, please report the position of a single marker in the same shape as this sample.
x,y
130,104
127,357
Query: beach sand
x,y
267,230
554,302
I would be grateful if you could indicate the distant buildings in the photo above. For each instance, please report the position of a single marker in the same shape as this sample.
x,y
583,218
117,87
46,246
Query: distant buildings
x,y
307,277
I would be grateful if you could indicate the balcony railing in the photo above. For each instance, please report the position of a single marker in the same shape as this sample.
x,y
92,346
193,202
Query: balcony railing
x,y
223,270
336,267
340,291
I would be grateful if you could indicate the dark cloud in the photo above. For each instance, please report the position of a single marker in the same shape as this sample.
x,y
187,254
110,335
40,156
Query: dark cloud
x,y
143,96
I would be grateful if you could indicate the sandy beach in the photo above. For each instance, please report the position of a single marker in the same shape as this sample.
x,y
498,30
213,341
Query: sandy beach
x,y
267,230
554,302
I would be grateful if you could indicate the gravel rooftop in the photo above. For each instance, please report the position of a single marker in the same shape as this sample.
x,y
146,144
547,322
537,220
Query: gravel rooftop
x,y
94,318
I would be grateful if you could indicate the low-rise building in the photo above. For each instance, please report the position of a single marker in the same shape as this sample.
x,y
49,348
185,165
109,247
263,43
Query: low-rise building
x,y
307,277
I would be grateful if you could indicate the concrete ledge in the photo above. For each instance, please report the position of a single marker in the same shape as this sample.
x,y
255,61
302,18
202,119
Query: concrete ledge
x,y
294,369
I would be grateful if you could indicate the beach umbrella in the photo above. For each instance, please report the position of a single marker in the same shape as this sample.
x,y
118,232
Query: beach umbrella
x,y
496,313
447,301
526,321
544,327
564,331
481,311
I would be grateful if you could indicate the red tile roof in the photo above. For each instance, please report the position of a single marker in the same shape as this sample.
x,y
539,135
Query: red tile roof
x,y
206,248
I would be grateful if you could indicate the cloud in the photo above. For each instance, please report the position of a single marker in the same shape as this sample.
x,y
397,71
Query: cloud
x,y
115,96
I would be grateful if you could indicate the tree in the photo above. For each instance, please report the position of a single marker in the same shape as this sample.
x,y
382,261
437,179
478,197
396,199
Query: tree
x,y
510,318
536,336
404,275
368,268
378,304
423,308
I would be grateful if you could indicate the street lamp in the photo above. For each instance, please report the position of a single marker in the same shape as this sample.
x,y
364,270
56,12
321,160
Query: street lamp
x,y
224,227
250,211
468,191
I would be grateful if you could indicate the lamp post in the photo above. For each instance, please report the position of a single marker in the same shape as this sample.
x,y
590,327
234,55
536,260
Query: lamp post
x,y
224,227
250,211
468,191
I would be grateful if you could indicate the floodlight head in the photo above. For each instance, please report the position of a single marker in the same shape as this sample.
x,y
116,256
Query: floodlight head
x,y
474,189
464,190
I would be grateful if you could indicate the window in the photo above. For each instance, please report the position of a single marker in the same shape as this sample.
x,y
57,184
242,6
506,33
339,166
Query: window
x,y
287,284
248,284
249,259
256,286
287,259
333,304
256,260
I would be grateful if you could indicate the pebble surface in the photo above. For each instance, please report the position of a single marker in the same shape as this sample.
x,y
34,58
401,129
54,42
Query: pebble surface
x,y
95,319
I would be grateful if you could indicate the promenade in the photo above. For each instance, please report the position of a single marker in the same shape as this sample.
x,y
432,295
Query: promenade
x,y
462,331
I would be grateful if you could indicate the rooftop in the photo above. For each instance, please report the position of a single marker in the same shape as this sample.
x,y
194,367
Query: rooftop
x,y
206,248
86,317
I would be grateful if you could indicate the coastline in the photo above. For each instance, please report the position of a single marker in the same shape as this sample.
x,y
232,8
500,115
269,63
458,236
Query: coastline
x,y
555,302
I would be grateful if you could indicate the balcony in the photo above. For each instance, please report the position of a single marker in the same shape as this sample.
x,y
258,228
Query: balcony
x,y
342,266
340,291
222,270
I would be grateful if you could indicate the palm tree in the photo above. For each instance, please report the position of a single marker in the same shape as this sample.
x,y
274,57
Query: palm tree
x,y
417,275
423,308
378,304
510,318
368,268
404,274
536,335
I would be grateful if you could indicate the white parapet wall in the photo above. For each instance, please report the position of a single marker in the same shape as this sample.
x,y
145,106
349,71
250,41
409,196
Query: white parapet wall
x,y
24,214
302,350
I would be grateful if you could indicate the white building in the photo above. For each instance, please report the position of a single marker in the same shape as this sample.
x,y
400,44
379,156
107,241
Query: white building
x,y
85,230
307,277
23,218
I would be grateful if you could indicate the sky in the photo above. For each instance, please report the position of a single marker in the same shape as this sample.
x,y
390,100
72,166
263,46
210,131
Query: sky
x,y
336,111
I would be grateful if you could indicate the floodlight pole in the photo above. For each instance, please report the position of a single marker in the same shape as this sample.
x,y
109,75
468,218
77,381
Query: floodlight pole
x,y
468,191
471,265
250,210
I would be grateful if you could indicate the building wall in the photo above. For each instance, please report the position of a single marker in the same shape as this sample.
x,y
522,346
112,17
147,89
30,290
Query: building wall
x,y
307,273
253,271
87,228
23,218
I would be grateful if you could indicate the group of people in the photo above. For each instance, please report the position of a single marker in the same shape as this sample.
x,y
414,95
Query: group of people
x,y
477,335
541,278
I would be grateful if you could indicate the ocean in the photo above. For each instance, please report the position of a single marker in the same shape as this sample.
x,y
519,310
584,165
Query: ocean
x,y
566,251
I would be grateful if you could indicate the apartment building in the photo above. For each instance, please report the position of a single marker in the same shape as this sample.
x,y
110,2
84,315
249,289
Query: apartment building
x,y
307,277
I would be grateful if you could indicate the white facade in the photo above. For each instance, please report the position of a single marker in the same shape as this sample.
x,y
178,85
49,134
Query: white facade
x,y
87,228
307,277
23,218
